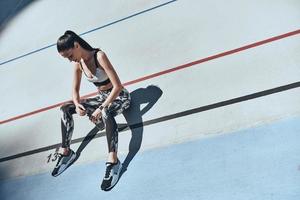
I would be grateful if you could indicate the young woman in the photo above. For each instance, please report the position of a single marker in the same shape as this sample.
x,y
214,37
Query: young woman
x,y
112,99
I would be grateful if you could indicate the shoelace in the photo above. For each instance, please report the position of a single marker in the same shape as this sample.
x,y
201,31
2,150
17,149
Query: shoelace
x,y
108,169
60,156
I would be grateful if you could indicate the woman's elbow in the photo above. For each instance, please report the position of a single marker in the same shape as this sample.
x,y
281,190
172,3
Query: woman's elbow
x,y
119,87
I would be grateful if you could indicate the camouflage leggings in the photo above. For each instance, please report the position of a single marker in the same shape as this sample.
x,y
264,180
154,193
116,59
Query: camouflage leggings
x,y
121,103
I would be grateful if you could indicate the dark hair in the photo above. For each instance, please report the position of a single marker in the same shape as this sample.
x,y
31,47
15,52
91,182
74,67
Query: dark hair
x,y
66,41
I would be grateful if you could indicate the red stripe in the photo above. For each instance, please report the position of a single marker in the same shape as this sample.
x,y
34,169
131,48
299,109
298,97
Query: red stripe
x,y
226,53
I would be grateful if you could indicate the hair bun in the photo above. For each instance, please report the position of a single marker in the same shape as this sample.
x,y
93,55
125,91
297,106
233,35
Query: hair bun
x,y
69,32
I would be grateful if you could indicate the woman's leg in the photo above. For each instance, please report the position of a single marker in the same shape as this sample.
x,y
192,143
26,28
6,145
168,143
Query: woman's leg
x,y
67,122
111,134
66,156
67,126
116,107
113,166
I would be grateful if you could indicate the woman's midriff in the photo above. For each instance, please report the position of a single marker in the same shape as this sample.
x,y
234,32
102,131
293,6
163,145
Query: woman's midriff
x,y
105,87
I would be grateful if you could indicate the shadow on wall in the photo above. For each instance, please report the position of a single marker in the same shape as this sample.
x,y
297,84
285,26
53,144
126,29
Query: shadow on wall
x,y
10,9
133,116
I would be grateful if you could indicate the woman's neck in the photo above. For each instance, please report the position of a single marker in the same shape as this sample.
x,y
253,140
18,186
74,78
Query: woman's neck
x,y
87,55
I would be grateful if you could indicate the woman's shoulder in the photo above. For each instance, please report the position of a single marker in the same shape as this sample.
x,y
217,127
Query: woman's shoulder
x,y
103,59
100,54
77,66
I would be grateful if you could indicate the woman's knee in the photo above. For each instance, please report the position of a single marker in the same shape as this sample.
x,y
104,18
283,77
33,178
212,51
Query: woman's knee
x,y
66,108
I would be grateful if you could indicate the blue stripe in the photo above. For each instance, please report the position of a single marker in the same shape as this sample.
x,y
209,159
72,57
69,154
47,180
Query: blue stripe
x,y
95,29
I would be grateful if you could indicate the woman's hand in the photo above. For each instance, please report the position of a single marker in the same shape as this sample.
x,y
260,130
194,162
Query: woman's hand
x,y
80,110
96,115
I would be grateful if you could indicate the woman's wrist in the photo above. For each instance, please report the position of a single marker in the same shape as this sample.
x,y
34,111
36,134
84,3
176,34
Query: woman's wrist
x,y
101,107
77,104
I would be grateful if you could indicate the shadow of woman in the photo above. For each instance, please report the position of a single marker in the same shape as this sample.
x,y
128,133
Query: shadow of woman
x,y
133,116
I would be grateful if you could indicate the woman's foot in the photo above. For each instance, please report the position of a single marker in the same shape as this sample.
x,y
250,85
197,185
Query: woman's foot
x,y
112,175
64,161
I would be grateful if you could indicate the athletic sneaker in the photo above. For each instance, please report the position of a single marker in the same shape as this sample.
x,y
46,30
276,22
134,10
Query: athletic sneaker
x,y
63,162
112,175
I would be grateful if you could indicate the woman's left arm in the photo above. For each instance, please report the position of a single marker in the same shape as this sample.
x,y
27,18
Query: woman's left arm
x,y
112,75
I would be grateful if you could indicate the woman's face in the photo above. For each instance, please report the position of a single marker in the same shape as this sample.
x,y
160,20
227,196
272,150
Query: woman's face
x,y
72,54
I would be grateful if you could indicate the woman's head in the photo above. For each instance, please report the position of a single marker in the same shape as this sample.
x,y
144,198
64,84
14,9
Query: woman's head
x,y
69,44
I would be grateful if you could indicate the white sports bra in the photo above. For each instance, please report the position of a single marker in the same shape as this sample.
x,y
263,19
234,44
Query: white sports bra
x,y
100,78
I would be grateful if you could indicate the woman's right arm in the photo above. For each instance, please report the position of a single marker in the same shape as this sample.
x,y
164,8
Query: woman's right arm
x,y
76,84
75,91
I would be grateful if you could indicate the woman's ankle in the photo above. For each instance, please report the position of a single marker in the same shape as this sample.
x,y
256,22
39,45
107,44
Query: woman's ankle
x,y
112,157
64,150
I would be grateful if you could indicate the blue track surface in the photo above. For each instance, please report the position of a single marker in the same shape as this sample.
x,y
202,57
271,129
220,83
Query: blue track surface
x,y
258,163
